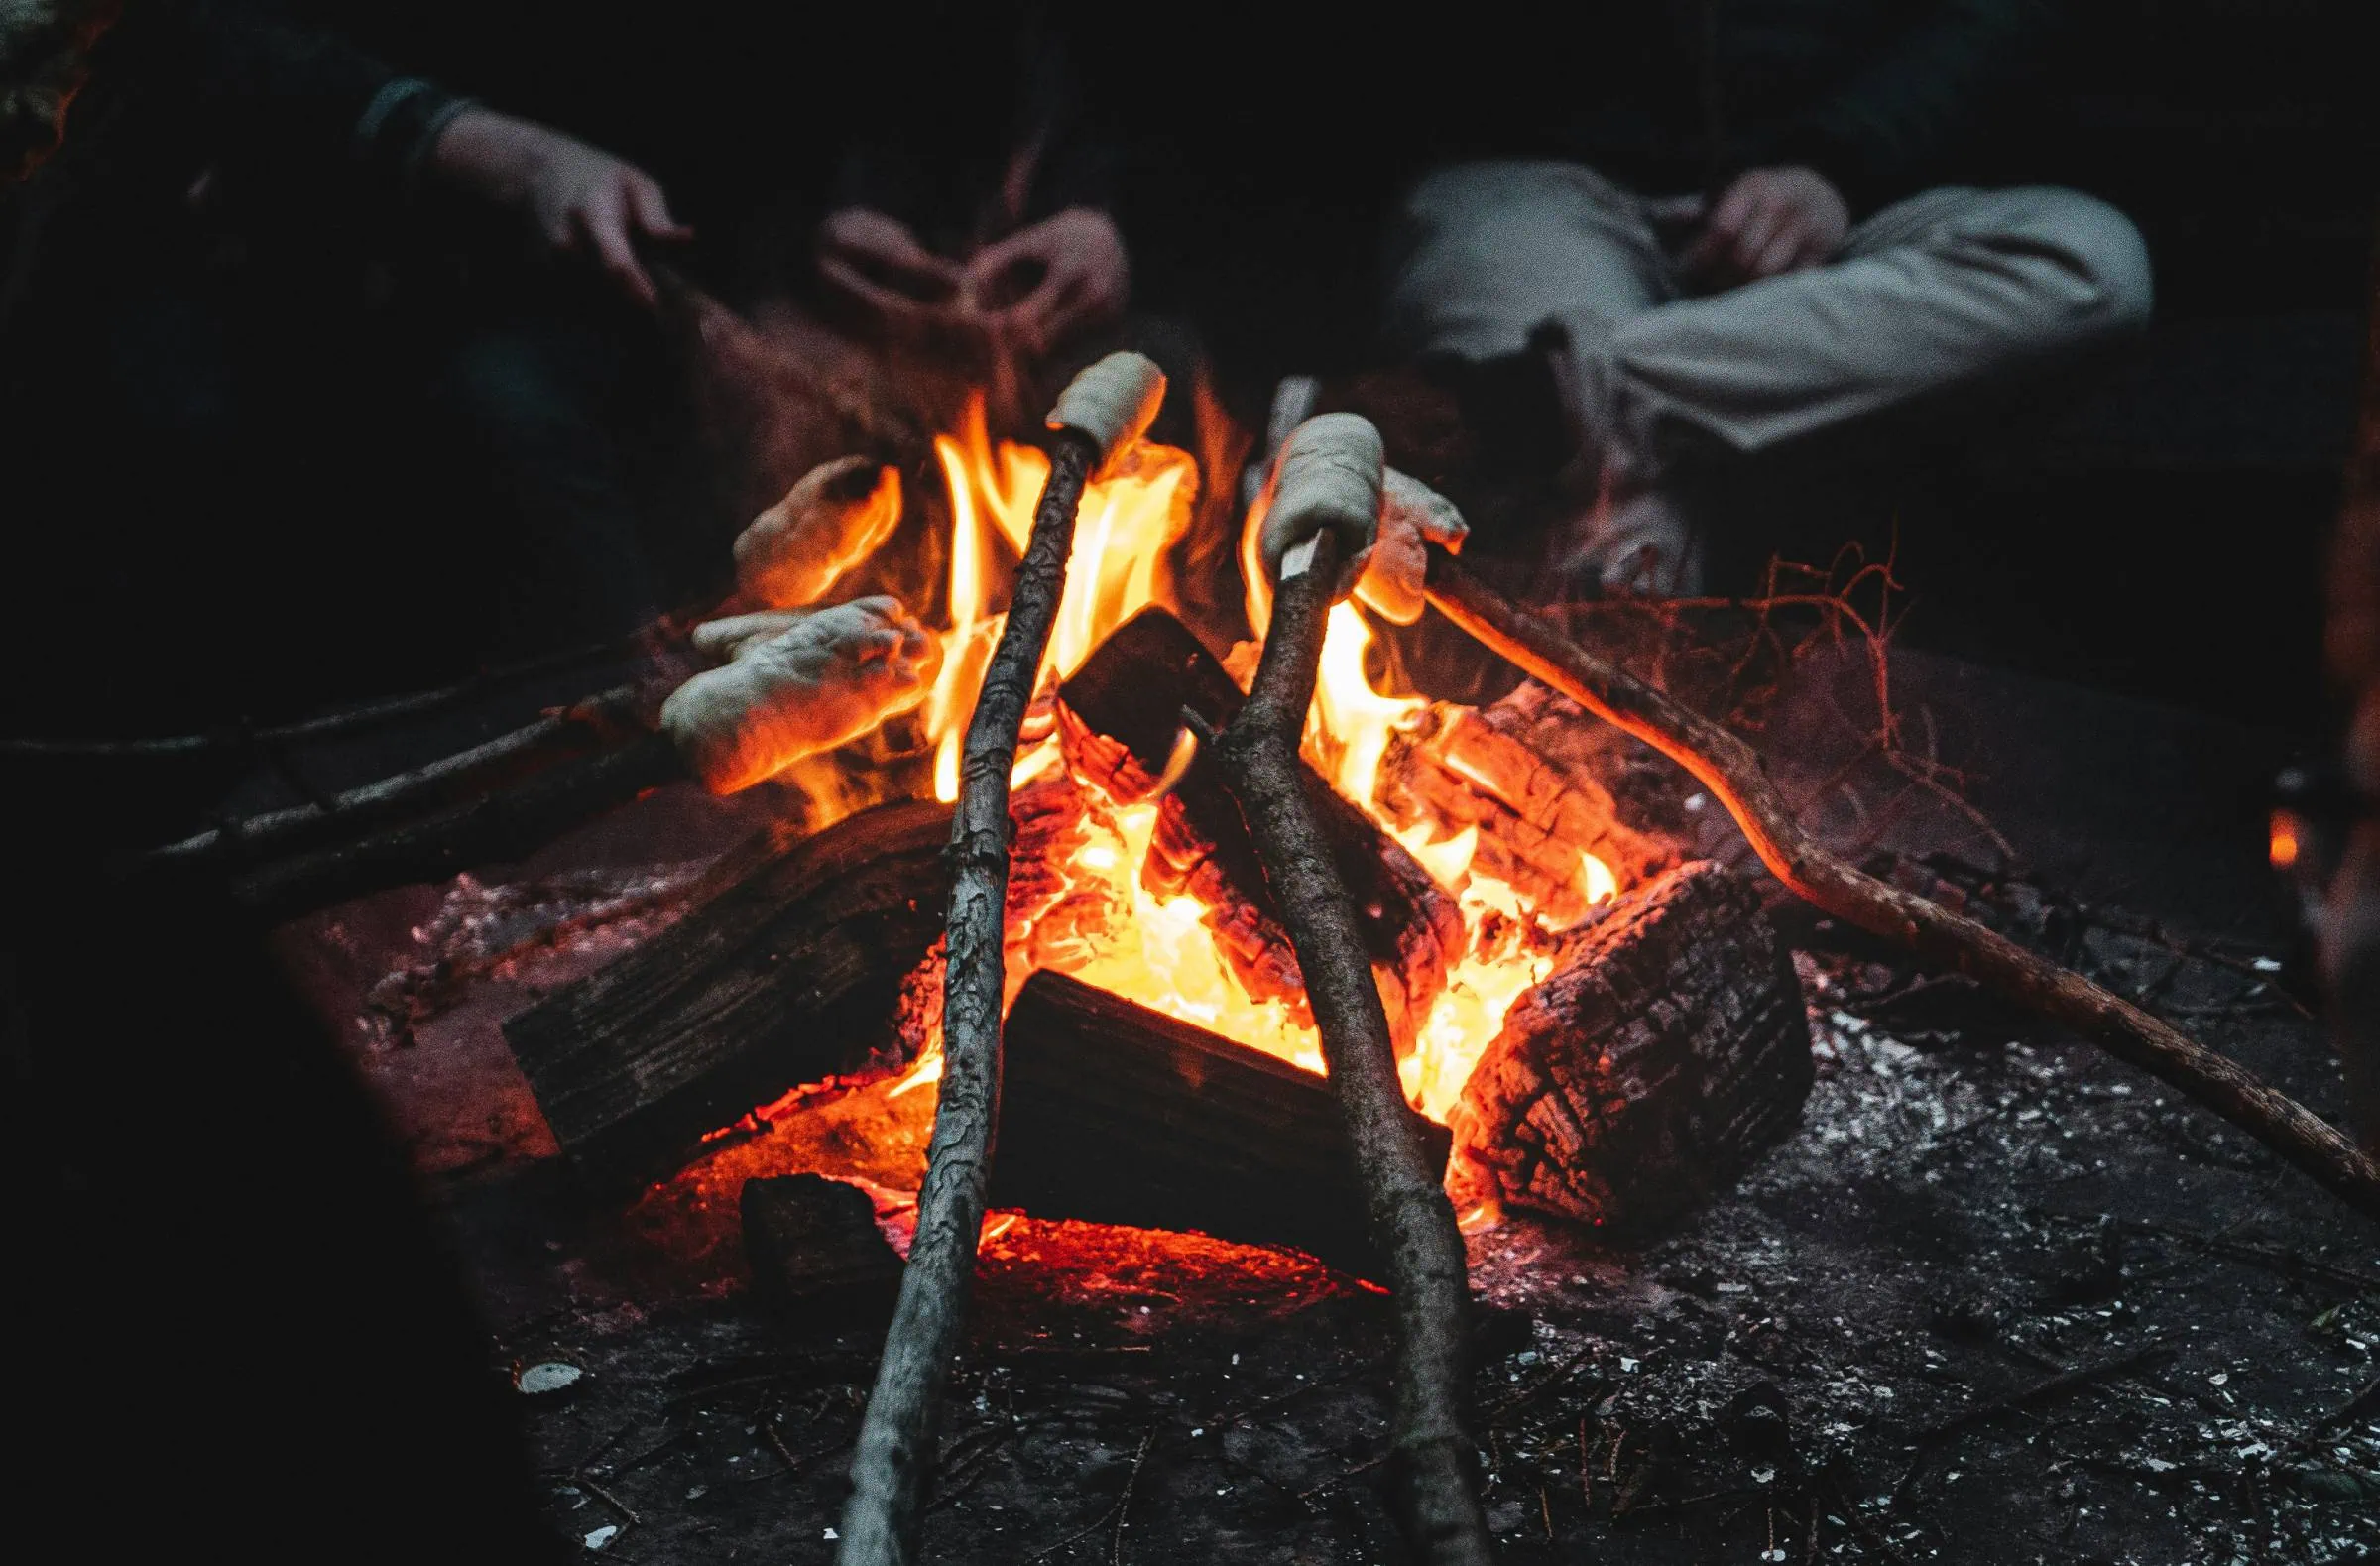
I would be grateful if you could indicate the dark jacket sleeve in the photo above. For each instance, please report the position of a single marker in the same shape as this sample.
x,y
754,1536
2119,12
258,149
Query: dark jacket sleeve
x,y
1880,136
294,106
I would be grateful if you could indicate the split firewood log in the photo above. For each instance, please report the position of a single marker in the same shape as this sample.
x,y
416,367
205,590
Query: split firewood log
x,y
835,515
1530,773
1666,1052
788,968
1115,1114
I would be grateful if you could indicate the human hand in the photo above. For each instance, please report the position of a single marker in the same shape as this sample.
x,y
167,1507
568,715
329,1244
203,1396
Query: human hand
x,y
1044,284
1413,516
578,200
1768,222
877,267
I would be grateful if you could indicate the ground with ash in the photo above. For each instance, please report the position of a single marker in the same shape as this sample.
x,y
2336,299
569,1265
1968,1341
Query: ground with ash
x,y
1997,1300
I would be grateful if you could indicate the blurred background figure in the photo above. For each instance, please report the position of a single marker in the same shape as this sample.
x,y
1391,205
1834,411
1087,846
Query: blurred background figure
x,y
1741,240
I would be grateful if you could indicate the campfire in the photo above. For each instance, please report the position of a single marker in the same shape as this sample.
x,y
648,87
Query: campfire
x,y
1284,959
1482,844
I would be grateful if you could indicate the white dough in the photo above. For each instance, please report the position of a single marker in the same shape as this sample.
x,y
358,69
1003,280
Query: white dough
x,y
1114,402
1413,516
721,639
827,523
824,681
1328,476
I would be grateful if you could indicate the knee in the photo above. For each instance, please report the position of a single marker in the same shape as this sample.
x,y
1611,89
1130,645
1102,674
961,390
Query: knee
x,y
2096,253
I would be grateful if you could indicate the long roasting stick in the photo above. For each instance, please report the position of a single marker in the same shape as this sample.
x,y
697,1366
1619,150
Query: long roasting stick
x,y
1411,1223
1106,408
1731,770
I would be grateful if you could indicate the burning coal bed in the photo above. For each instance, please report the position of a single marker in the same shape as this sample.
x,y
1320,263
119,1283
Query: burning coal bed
x,y
1603,1031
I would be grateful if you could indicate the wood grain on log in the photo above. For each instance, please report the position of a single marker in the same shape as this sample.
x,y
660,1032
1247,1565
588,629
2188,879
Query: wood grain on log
x,y
1112,1112
1531,773
1731,770
816,1251
786,970
1666,1051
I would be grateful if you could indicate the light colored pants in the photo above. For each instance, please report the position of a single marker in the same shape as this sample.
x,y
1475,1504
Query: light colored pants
x,y
1948,289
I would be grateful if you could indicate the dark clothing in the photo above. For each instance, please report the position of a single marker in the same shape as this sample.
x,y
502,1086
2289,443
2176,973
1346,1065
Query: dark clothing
x,y
1681,95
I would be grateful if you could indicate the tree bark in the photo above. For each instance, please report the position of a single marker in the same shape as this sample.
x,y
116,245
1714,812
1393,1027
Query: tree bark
x,y
1433,1452
1731,770
896,1455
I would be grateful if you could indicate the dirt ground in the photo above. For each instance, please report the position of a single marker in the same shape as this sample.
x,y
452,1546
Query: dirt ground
x,y
1998,1299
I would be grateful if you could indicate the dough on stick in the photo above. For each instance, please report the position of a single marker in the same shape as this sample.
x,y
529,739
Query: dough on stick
x,y
1114,402
828,523
721,639
1413,516
825,680
1328,476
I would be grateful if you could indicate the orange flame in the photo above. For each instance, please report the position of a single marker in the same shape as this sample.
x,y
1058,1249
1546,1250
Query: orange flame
x,y
1128,521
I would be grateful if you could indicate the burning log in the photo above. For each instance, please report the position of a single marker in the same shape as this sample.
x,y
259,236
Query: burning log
x,y
1731,769
1528,772
816,1251
1115,1114
1665,1051
1124,705
1103,411
1319,499
784,972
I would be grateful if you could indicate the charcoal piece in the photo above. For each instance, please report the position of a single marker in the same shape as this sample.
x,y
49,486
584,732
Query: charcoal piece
x,y
1666,1051
816,1251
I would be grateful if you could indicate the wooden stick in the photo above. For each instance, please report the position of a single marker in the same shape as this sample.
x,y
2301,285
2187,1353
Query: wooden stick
x,y
606,721
495,826
896,1456
1731,770
1431,1450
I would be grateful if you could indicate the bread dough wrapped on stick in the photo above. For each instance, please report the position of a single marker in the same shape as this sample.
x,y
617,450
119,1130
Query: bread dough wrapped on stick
x,y
832,520
800,684
1328,477
1114,402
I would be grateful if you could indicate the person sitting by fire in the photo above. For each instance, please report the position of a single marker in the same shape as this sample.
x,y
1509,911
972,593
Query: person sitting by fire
x,y
1735,244
941,234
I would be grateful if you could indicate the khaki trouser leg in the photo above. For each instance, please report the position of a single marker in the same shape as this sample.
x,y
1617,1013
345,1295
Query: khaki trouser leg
x,y
1947,287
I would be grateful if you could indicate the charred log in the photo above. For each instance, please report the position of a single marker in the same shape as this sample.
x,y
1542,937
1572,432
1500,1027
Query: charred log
x,y
786,970
1666,1052
1116,1114
816,1251
1530,773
